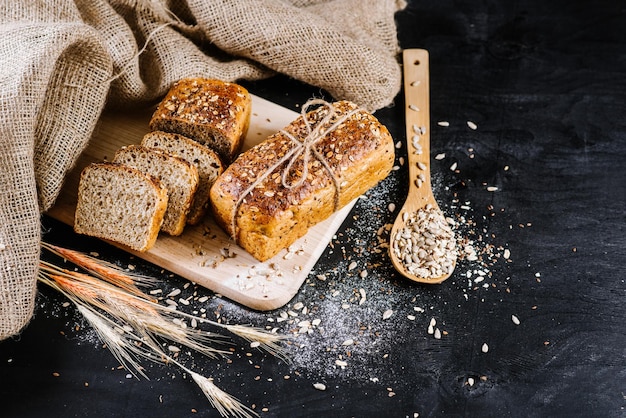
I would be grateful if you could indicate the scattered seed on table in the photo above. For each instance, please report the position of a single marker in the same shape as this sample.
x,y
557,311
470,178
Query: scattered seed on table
x,y
443,123
440,156
173,293
387,314
484,348
472,125
319,386
515,319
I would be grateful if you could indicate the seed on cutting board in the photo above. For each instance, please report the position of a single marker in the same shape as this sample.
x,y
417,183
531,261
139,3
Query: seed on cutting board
x,y
421,165
414,108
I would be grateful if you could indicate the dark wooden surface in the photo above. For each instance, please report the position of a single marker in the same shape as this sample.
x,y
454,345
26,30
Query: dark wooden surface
x,y
545,82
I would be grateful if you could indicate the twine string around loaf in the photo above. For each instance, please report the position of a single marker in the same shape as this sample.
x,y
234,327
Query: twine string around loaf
x,y
304,148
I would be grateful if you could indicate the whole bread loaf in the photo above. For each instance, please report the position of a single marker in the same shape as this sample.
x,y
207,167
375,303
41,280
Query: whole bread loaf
x,y
121,204
213,112
274,192
177,175
206,161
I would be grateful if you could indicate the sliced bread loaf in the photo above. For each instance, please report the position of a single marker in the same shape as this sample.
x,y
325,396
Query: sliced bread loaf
x,y
212,112
178,176
120,204
206,161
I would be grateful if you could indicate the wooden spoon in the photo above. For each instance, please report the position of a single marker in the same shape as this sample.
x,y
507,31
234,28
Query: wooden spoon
x,y
420,209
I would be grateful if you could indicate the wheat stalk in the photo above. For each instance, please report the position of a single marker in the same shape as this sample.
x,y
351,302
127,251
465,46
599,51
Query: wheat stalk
x,y
131,324
102,269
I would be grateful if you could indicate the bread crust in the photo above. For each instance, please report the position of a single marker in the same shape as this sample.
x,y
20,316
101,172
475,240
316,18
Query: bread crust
x,y
210,111
359,153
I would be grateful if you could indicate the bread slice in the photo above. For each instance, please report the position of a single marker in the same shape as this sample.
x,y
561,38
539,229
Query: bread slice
x,y
206,161
120,204
212,112
356,155
178,176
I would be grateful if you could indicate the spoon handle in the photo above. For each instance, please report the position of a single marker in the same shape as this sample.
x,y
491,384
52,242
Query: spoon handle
x,y
417,111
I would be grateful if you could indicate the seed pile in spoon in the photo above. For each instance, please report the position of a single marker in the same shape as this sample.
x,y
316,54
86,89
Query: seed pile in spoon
x,y
426,244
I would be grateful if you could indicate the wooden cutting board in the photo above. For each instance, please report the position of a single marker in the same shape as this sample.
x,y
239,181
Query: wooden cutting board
x,y
204,254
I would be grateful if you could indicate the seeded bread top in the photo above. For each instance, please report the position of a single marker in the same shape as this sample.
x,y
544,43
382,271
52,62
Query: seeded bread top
x,y
210,111
351,142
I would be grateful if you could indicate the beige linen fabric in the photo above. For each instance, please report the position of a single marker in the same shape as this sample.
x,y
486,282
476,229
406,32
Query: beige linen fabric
x,y
63,61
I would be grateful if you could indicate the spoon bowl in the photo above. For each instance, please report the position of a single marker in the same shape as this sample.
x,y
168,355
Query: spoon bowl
x,y
422,245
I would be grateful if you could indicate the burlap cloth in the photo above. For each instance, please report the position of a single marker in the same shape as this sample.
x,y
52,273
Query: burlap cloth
x,y
63,61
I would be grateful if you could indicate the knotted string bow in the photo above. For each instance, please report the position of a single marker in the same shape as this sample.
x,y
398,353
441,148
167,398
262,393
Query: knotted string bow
x,y
304,148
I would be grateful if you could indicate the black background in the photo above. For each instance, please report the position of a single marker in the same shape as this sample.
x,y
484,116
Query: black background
x,y
545,81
